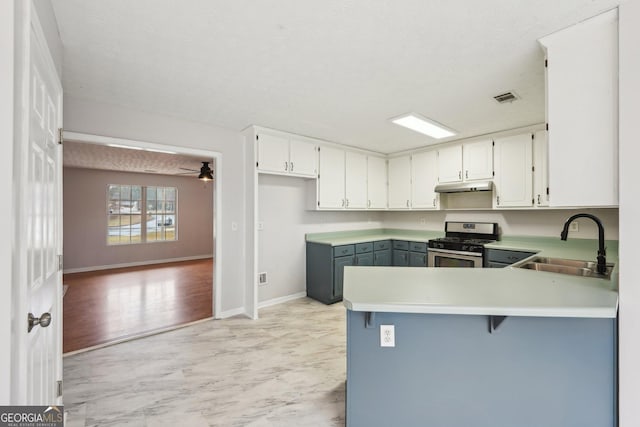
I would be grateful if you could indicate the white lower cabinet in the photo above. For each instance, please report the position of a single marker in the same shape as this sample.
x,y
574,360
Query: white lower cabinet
x,y
424,178
355,186
331,178
513,159
376,183
400,182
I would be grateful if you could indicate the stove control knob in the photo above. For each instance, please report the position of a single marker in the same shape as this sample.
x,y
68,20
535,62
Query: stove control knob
x,y
465,247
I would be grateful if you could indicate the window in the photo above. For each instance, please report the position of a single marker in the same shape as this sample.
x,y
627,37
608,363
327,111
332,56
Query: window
x,y
138,214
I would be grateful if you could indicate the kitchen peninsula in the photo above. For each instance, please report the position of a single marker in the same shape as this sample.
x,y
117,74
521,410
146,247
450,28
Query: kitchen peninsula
x,y
483,347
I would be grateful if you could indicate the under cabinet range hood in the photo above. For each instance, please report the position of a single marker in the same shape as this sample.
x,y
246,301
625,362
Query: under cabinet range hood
x,y
464,187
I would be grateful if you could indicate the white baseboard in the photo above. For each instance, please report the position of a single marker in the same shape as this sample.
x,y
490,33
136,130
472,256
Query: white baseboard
x,y
231,313
134,264
280,300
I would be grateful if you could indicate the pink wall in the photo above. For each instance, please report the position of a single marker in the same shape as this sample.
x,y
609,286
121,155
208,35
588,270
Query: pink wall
x,y
85,233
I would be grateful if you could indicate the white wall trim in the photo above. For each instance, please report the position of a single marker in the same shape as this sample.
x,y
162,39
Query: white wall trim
x,y
280,300
232,312
135,264
217,189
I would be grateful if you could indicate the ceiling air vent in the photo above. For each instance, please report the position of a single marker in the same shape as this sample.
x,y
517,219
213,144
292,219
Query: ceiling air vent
x,y
506,97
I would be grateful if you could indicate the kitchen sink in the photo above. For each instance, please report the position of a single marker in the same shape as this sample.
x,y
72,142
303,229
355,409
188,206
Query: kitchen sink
x,y
565,266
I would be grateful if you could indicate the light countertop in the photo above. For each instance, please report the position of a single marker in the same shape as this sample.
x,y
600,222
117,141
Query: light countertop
x,y
363,236
489,291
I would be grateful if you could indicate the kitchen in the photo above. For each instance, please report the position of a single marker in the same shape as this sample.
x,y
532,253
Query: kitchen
x,y
282,215
530,218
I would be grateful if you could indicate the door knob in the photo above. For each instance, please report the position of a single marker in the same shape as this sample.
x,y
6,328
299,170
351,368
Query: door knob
x,y
44,321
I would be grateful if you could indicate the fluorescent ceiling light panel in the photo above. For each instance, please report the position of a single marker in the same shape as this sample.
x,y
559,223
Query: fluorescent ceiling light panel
x,y
124,146
423,125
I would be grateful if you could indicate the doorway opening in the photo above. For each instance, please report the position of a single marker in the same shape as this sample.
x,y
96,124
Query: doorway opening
x,y
140,239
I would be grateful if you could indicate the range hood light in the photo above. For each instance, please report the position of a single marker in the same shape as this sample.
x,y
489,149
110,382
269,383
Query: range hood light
x,y
423,125
464,187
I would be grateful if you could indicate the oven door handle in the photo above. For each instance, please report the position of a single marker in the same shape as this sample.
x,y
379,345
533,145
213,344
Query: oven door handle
x,y
452,252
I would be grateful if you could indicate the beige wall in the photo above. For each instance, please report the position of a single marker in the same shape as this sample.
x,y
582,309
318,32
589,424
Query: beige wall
x,y
85,220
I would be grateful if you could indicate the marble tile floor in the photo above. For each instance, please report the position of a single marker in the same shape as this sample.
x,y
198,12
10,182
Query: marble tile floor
x,y
285,369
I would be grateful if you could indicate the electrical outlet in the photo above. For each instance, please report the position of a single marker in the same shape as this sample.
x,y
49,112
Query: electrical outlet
x,y
262,278
423,221
260,225
387,336
574,226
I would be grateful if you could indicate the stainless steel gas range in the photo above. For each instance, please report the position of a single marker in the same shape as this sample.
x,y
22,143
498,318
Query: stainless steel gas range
x,y
463,244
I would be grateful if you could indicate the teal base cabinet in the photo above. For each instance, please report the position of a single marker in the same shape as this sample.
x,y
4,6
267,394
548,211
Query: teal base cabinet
x,y
417,254
498,258
325,268
400,253
382,253
447,370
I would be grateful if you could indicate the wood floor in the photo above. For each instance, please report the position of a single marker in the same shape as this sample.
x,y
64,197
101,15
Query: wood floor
x,y
109,305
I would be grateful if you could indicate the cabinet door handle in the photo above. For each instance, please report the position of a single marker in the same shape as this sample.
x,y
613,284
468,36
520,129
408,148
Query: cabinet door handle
x,y
343,203
459,174
466,173
368,203
434,201
291,166
407,203
347,204
497,200
538,199
286,166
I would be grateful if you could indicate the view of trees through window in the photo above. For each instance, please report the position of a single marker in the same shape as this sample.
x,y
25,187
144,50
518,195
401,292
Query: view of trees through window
x,y
139,214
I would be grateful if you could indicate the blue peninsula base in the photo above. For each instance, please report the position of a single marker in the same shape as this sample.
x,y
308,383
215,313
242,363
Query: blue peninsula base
x,y
451,371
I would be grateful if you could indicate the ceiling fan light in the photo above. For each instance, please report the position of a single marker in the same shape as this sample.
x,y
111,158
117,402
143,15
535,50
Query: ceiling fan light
x,y
205,172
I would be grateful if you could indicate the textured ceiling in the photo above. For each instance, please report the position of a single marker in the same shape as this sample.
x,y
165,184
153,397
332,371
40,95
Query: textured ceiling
x,y
94,156
332,69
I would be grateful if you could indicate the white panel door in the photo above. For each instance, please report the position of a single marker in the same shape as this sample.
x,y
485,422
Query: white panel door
x,y
450,164
303,158
477,160
355,180
514,178
540,169
39,228
376,183
331,178
273,153
424,177
400,183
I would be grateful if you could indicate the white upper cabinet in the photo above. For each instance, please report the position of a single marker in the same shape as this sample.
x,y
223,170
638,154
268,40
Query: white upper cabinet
x,y
424,177
303,158
582,112
273,153
355,181
450,164
286,156
513,181
477,160
376,183
466,162
540,169
400,183
331,178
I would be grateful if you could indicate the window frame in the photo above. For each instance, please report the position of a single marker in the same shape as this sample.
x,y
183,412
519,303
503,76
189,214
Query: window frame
x,y
144,210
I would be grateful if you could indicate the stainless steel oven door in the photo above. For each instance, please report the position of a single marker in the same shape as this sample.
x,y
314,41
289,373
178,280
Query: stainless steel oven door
x,y
449,258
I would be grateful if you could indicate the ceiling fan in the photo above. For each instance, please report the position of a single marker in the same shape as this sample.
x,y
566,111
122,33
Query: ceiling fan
x,y
206,173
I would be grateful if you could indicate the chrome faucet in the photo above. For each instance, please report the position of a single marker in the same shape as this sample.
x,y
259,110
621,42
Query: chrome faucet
x,y
602,253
